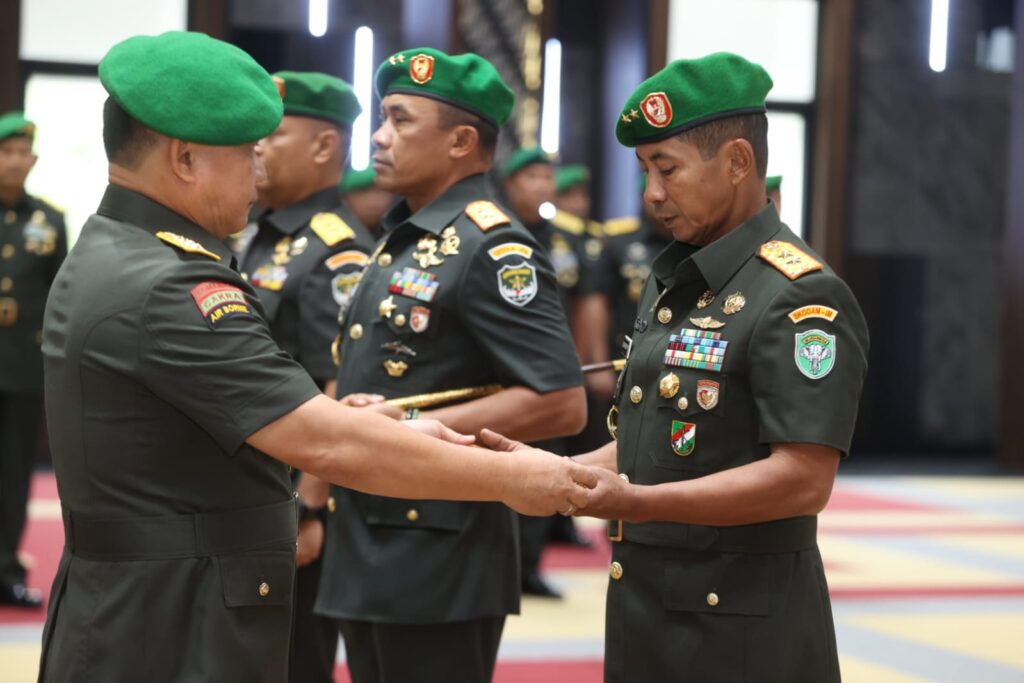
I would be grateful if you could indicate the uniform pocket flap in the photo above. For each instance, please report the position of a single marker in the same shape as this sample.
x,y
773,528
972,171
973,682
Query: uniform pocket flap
x,y
730,584
257,579
416,514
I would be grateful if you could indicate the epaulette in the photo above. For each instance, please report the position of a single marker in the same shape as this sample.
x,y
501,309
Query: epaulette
x,y
331,228
486,214
185,244
569,223
595,229
621,226
788,259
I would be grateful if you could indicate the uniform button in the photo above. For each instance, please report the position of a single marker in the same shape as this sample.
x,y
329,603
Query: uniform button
x,y
400,319
6,285
713,599
384,260
624,477
683,403
8,251
636,394
264,589
332,505
412,515
664,315
356,331
615,571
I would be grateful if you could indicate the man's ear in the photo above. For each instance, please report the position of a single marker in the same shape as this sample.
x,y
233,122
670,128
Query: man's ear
x,y
464,141
326,146
740,161
181,157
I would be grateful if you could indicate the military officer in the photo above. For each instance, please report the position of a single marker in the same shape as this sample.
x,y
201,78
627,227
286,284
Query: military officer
x,y
458,294
368,202
739,398
33,243
572,193
773,186
173,413
304,260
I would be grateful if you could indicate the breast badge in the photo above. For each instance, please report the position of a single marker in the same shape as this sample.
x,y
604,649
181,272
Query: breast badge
x,y
684,437
707,393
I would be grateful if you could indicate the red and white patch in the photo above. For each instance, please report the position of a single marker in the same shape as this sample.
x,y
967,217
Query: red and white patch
x,y
218,301
419,318
421,68
657,109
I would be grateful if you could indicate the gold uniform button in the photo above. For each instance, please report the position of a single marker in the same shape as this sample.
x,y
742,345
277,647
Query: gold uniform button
x,y
356,331
384,260
412,515
664,315
683,403
624,477
264,589
712,599
400,319
8,251
332,505
6,285
636,394
615,571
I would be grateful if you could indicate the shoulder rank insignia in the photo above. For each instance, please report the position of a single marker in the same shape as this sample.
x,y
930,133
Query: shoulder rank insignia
x,y
621,226
789,260
486,214
569,223
185,244
330,228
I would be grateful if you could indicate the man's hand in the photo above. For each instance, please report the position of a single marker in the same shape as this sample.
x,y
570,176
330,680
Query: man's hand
x,y
310,542
541,483
360,400
612,498
439,431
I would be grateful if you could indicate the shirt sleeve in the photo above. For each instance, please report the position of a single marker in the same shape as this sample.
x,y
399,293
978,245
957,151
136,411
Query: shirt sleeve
x,y
323,293
511,306
808,359
206,350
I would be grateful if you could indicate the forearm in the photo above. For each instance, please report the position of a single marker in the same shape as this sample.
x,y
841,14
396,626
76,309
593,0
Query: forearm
x,y
774,488
519,413
606,456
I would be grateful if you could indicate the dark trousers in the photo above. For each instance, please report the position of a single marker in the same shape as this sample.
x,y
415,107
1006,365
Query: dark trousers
x,y
20,416
314,638
453,652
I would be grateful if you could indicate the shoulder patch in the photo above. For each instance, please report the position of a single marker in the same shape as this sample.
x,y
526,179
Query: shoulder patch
x,y
569,223
185,244
219,301
510,249
621,226
331,228
815,311
486,214
345,258
789,260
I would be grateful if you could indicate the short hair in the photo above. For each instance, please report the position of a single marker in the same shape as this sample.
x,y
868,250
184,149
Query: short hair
x,y
708,138
125,140
449,117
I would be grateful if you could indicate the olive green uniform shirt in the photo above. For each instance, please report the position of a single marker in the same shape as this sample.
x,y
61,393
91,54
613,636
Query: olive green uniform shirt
x,y
179,554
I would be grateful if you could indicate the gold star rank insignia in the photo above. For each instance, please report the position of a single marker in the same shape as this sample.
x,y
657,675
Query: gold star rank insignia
x,y
788,259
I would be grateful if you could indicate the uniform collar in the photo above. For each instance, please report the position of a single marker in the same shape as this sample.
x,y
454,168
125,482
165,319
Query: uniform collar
x,y
291,219
439,214
720,260
121,204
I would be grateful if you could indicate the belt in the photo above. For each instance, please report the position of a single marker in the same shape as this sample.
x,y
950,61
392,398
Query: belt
x,y
181,536
8,311
781,536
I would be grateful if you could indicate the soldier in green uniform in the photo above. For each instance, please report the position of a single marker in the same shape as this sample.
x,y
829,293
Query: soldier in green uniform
x,y
33,244
304,261
739,398
458,294
173,414
364,199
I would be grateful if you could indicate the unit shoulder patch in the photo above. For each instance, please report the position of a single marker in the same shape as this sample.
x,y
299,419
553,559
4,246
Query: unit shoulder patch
x,y
486,214
814,311
331,228
569,223
788,259
621,226
346,258
185,244
510,249
219,301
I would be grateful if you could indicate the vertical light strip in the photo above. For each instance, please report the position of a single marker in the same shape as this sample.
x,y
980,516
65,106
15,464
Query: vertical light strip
x,y
552,112
362,83
318,18
939,35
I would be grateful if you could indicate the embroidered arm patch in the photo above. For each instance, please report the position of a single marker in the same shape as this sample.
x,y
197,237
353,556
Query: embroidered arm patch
x,y
219,301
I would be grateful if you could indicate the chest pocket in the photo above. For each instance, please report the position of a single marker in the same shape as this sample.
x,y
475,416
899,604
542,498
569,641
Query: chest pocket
x,y
689,403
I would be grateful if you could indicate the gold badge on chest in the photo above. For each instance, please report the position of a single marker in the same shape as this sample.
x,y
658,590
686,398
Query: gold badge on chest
x,y
734,303
669,385
706,299
281,251
395,368
707,323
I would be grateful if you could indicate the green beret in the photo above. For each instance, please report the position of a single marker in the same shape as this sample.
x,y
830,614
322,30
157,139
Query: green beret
x,y
523,157
568,177
192,87
772,183
310,93
691,92
14,123
357,180
467,81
